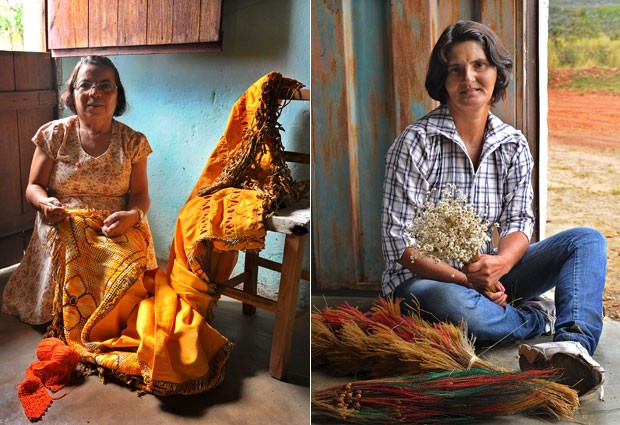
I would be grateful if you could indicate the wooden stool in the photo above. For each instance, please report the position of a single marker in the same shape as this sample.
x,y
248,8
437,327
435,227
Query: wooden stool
x,y
294,222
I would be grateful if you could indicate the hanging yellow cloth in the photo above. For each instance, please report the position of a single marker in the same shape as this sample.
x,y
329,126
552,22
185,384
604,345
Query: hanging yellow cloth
x,y
244,181
151,329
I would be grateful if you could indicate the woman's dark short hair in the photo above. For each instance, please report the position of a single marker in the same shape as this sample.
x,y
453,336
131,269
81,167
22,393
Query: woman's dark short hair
x,y
68,97
461,31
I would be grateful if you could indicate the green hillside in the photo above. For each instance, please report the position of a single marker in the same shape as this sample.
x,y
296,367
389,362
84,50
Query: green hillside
x,y
572,4
584,34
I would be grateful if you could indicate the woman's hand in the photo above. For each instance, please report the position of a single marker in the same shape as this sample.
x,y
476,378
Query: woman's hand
x,y
487,271
119,223
484,276
53,211
497,294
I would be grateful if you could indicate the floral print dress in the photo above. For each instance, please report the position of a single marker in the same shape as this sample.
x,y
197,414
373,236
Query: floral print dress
x,y
77,180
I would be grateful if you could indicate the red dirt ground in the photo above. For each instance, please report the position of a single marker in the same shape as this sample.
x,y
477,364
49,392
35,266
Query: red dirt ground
x,y
589,120
584,134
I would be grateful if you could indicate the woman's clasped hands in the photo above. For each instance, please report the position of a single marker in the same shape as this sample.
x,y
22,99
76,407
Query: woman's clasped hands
x,y
484,276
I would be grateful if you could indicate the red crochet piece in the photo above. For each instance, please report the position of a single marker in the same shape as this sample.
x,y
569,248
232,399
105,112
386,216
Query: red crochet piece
x,y
53,371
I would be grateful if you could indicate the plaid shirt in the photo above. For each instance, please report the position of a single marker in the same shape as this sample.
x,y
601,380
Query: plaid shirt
x,y
430,154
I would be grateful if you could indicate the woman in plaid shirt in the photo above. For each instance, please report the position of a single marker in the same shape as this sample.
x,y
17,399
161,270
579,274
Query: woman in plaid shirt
x,y
462,143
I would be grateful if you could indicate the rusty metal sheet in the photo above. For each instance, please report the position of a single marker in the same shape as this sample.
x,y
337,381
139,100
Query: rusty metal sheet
x,y
412,37
331,198
350,137
505,19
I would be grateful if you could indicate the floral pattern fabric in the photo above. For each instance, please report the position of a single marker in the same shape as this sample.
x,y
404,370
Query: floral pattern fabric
x,y
78,180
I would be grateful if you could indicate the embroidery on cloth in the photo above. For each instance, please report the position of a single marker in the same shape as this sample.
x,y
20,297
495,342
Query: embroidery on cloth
x,y
121,320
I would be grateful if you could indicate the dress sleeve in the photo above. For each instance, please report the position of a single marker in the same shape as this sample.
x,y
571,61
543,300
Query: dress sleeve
x,y
139,147
49,138
404,188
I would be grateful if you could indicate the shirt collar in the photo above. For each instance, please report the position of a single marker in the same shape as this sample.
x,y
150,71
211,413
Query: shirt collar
x,y
440,122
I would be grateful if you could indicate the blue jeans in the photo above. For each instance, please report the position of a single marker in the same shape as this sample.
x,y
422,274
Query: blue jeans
x,y
573,262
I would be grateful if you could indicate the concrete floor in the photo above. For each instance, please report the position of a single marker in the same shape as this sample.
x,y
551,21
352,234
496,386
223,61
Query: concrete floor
x,y
248,394
592,410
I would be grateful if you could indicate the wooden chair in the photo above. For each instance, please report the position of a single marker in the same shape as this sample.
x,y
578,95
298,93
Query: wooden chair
x,y
294,222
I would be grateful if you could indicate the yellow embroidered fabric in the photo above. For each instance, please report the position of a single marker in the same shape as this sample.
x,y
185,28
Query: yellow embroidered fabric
x,y
142,327
246,178
151,328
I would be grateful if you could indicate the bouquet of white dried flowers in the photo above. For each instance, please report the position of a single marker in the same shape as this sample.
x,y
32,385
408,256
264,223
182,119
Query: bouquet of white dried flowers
x,y
448,229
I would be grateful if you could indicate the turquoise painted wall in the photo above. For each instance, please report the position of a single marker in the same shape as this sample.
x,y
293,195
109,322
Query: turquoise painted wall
x,y
181,103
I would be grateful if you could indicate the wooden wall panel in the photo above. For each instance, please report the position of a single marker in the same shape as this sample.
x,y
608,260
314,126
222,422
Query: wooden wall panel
x,y
331,198
210,20
111,27
185,22
531,103
351,132
7,76
67,22
10,189
33,71
367,55
159,18
103,22
12,249
412,35
31,103
132,18
447,12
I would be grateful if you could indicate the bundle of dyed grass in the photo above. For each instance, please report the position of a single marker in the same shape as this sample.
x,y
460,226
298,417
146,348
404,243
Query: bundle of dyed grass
x,y
445,397
385,343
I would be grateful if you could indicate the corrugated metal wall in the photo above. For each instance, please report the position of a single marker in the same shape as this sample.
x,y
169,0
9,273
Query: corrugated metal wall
x,y
369,60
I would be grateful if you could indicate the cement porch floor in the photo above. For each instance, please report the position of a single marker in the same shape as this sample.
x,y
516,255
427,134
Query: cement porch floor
x,y
591,411
248,395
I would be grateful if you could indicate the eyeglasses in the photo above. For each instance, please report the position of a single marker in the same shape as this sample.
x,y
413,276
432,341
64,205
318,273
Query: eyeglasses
x,y
104,86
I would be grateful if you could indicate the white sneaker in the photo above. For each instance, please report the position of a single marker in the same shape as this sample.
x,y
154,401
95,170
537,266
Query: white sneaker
x,y
578,369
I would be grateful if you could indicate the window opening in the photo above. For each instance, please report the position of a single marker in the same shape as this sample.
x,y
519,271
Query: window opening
x,y
22,25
